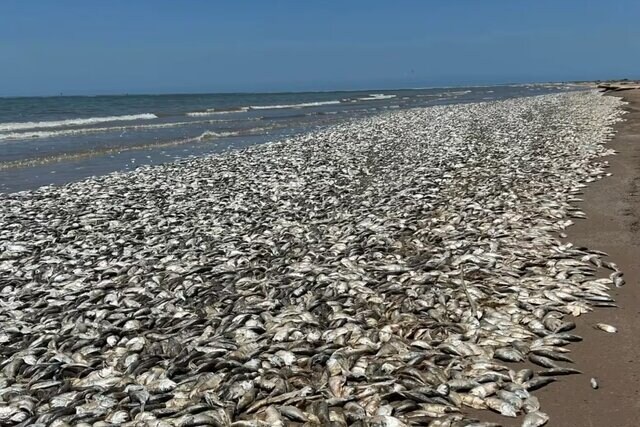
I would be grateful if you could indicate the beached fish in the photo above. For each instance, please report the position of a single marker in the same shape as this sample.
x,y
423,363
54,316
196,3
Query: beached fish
x,y
384,271
607,328
535,419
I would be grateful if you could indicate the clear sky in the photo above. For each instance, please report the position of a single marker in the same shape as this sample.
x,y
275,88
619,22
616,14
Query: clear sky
x,y
156,46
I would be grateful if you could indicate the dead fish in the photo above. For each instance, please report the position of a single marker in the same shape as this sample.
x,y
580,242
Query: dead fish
x,y
543,361
484,390
555,355
535,419
523,375
385,271
469,400
502,407
386,421
558,371
607,328
293,413
509,354
538,382
511,398
530,404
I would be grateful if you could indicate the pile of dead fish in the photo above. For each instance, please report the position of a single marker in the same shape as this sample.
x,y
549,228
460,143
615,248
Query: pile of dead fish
x,y
383,272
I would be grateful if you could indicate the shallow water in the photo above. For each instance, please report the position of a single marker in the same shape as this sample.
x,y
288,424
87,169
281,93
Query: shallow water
x,y
55,140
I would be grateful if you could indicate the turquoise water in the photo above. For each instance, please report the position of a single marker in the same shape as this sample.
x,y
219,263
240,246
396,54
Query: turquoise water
x,y
55,140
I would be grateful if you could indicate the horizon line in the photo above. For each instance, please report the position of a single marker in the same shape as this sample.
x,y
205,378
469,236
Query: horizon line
x,y
279,92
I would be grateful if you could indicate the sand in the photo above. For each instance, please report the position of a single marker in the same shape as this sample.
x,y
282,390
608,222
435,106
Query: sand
x,y
612,206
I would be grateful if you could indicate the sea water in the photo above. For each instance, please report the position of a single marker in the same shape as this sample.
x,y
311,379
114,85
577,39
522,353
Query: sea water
x,y
56,140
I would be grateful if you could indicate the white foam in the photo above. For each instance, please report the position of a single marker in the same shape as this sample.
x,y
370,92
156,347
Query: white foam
x,y
213,112
29,134
456,92
302,105
205,113
213,135
376,97
73,122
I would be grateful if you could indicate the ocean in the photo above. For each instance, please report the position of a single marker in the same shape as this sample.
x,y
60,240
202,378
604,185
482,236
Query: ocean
x,y
56,140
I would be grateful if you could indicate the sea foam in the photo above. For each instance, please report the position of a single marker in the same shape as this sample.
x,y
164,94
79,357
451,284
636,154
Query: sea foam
x,y
33,134
302,105
73,122
376,97
214,111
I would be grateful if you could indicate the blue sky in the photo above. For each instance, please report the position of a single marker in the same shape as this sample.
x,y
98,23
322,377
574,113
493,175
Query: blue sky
x,y
118,46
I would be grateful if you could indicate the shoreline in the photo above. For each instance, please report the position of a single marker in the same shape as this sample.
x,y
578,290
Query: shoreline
x,y
54,150
412,255
612,206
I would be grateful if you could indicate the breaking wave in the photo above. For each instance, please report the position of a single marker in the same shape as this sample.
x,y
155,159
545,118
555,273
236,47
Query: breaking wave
x,y
73,122
302,105
214,135
33,134
216,111
376,97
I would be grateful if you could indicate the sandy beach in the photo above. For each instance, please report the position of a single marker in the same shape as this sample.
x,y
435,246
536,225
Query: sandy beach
x,y
391,271
612,206
305,214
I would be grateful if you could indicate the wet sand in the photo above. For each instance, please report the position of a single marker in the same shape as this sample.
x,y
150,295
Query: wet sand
x,y
612,206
